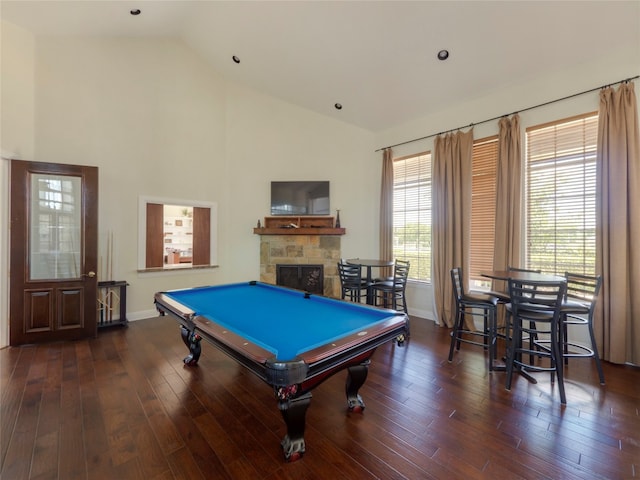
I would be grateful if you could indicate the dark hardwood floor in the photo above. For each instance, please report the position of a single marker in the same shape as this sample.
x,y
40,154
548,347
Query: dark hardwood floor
x,y
123,406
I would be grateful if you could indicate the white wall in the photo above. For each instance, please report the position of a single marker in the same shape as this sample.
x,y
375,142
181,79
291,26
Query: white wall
x,y
159,122
271,140
150,115
16,136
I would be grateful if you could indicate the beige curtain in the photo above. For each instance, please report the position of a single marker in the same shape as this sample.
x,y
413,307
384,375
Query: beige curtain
x,y
386,206
617,323
451,187
506,250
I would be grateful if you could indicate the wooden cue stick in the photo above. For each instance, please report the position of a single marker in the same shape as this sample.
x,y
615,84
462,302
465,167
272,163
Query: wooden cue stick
x,y
106,265
100,293
107,304
111,277
111,274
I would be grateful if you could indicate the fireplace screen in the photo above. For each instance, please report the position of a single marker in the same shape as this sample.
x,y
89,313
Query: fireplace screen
x,y
308,278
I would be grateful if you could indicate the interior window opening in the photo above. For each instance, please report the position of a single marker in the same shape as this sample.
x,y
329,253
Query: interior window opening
x,y
178,235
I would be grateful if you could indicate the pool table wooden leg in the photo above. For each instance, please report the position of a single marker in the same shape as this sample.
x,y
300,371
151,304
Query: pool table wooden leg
x,y
356,376
294,412
192,341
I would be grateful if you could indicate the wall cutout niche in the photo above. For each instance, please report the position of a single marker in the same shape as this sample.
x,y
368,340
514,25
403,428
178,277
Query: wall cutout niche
x,y
176,234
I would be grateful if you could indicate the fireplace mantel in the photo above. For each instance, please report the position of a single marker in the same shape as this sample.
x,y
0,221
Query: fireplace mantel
x,y
299,225
299,231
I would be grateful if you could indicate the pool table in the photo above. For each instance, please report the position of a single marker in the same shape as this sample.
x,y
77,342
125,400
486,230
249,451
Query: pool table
x,y
291,339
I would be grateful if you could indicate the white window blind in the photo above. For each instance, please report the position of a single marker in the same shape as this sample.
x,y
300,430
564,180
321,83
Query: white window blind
x,y
483,209
561,195
412,213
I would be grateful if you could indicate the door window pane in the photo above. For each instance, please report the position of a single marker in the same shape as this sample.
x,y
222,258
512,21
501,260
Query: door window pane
x,y
55,218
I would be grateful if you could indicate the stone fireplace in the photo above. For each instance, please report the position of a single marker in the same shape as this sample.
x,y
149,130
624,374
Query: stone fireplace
x,y
305,250
312,241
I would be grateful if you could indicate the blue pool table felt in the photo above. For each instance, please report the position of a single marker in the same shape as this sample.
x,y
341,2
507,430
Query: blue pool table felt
x,y
280,320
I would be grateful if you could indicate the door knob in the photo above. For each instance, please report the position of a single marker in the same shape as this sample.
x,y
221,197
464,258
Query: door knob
x,y
91,274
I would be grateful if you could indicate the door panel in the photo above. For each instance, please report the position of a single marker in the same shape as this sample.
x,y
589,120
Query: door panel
x,y
201,236
155,235
54,245
70,301
38,306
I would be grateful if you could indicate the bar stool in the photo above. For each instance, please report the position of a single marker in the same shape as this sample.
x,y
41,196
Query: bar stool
x,y
578,308
535,312
473,305
351,282
393,291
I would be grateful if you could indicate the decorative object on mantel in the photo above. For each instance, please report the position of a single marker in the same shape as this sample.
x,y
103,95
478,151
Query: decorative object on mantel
x,y
259,226
338,218
299,225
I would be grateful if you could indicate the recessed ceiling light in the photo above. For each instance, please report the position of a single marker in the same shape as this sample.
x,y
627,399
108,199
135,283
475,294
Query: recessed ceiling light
x,y
443,54
338,106
236,59
135,11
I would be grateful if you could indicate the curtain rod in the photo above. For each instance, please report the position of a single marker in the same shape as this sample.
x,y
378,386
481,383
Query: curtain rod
x,y
507,114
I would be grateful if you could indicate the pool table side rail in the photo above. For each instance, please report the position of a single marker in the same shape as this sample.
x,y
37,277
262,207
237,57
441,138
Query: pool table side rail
x,y
223,335
209,329
252,356
307,365
327,358
165,304
255,356
391,328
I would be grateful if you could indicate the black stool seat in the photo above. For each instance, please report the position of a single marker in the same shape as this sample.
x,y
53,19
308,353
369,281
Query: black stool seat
x,y
480,298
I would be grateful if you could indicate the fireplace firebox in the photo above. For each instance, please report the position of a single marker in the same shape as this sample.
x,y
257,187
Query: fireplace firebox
x,y
309,278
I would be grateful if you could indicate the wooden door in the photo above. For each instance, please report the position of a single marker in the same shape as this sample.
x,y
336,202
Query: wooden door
x,y
54,246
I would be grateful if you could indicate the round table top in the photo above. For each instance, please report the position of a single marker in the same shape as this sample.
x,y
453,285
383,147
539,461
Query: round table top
x,y
368,262
522,276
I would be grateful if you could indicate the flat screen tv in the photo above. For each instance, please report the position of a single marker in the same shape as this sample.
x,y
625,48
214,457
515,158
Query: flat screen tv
x,y
300,198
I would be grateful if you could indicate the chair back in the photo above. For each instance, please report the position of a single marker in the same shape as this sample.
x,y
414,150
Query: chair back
x,y
350,275
537,300
583,289
401,273
526,270
456,281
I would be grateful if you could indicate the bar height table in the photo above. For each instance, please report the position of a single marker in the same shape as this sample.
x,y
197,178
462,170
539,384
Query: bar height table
x,y
369,264
507,275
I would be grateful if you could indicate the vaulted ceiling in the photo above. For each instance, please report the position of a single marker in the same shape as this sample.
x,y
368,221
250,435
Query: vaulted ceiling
x,y
378,59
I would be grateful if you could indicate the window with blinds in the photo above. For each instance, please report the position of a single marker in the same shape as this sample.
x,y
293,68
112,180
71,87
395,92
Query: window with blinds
x,y
412,213
561,195
483,209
